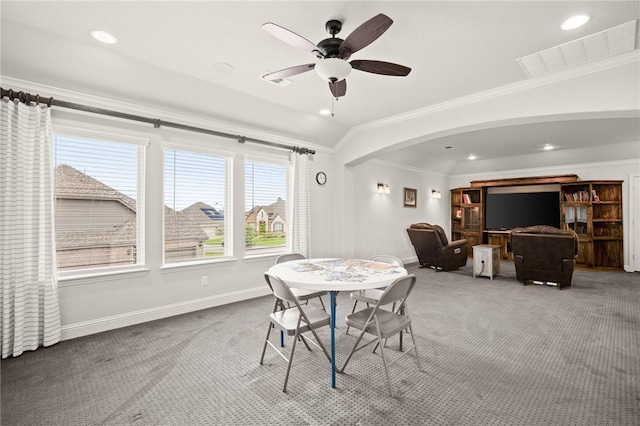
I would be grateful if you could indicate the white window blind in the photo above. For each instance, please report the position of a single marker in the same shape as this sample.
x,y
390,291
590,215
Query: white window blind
x,y
99,203
196,222
265,206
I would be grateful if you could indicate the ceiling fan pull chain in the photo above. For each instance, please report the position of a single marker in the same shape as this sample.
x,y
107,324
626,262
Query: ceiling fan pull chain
x,y
333,104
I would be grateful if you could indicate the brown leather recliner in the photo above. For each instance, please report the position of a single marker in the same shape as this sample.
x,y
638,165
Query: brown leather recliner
x,y
544,253
433,248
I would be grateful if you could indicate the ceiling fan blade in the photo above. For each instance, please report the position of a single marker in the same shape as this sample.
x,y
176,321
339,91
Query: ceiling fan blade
x,y
288,72
339,88
289,37
364,35
380,67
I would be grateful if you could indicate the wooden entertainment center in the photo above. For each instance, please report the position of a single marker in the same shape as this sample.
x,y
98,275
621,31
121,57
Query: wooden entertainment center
x,y
593,209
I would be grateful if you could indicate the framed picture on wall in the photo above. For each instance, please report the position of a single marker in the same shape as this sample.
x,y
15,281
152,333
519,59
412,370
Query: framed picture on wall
x,y
410,196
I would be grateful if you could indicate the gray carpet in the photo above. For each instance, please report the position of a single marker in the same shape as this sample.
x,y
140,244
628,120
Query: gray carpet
x,y
493,353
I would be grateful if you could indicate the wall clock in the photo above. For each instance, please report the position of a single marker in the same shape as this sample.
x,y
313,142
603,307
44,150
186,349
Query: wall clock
x,y
321,178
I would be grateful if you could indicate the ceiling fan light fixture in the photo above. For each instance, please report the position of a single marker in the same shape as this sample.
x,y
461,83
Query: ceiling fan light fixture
x,y
333,69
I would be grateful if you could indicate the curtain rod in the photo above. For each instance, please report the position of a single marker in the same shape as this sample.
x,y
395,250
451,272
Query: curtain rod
x,y
27,98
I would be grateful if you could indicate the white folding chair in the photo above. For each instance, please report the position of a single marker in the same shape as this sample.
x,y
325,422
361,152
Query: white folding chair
x,y
371,296
294,321
301,294
384,324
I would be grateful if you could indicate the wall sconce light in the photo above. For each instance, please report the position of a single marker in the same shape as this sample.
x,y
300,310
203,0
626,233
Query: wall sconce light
x,y
383,188
435,193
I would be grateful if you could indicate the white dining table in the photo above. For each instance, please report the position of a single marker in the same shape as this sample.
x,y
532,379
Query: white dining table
x,y
334,275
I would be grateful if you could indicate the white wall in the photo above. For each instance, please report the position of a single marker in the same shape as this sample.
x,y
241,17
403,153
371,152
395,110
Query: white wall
x,y
323,204
609,88
97,303
381,220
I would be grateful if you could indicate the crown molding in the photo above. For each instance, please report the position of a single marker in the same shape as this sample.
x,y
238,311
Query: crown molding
x,y
531,83
550,169
136,109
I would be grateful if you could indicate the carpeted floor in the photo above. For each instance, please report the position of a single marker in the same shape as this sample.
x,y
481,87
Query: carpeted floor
x,y
493,353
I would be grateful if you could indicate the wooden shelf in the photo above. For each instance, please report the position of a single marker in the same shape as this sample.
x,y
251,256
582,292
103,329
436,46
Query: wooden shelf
x,y
593,209
467,215
600,220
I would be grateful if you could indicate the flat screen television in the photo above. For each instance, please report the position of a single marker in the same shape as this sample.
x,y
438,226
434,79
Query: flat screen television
x,y
514,210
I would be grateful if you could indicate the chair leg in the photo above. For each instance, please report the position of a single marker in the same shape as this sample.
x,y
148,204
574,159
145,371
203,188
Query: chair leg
x,y
293,349
324,349
415,348
384,360
264,349
322,303
353,350
352,311
301,337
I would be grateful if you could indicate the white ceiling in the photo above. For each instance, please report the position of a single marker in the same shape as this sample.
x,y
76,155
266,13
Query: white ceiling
x,y
167,50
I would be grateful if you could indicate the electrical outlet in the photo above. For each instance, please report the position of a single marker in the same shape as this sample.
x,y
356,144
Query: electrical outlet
x,y
204,280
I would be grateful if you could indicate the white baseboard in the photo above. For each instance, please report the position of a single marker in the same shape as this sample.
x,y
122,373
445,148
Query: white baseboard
x,y
408,260
71,331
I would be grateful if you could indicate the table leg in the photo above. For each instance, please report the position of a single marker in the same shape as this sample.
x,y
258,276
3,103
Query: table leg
x,y
332,295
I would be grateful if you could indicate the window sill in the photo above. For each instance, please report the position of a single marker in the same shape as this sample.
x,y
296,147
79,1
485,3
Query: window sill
x,y
179,267
248,256
93,277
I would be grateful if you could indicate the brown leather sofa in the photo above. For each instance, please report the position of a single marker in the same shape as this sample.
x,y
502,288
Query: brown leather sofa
x,y
544,253
433,248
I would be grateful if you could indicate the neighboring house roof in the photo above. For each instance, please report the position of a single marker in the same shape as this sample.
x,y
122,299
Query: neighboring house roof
x,y
179,226
123,235
203,214
73,184
272,210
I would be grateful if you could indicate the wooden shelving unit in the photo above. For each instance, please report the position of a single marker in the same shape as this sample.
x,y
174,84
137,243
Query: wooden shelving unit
x,y
467,215
593,209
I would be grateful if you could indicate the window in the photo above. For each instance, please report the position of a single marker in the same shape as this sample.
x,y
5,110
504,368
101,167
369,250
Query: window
x,y
99,202
265,206
196,222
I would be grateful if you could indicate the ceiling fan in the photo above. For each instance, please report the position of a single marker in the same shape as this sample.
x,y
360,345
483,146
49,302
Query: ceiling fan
x,y
334,53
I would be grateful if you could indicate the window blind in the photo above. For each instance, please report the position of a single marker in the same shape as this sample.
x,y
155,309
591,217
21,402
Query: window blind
x,y
266,206
98,203
196,225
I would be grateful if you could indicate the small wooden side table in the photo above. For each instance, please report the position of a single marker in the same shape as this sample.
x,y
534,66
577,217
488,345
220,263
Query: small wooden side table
x,y
486,260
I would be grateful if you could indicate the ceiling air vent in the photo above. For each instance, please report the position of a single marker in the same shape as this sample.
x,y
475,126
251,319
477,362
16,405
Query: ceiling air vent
x,y
282,82
607,43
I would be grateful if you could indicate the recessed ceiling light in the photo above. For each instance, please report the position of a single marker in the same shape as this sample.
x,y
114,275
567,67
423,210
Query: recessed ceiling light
x,y
222,68
472,157
325,111
575,22
547,147
104,37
